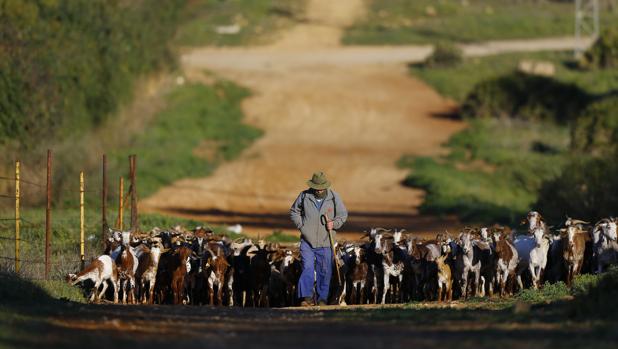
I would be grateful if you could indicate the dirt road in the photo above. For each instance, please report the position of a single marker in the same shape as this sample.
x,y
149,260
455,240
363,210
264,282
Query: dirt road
x,y
349,111
424,326
352,121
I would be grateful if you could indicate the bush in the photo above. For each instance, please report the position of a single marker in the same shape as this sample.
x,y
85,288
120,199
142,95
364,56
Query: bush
x,y
604,52
444,55
583,283
549,293
525,97
600,300
66,65
586,189
596,130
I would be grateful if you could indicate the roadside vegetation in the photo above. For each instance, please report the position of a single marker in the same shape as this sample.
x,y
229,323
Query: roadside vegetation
x,y
81,110
236,22
457,81
533,141
66,66
398,22
200,127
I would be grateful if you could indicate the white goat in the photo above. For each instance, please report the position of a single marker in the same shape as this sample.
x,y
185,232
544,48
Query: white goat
x,y
605,246
100,271
532,251
467,262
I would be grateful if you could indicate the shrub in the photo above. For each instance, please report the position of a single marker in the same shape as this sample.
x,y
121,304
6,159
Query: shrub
x,y
596,130
549,293
444,55
66,65
586,189
604,52
583,283
525,97
600,300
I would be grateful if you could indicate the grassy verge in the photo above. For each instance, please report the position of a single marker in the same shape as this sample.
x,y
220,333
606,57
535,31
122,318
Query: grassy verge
x,y
65,249
495,167
456,82
200,127
428,21
249,21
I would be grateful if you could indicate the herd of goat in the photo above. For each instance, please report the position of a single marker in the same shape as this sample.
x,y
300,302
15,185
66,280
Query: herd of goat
x,y
198,267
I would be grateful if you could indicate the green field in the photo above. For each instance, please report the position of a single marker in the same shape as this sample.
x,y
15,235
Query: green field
x,y
257,21
396,22
456,82
200,127
495,167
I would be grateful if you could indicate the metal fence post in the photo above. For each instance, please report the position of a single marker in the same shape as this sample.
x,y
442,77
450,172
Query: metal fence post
x,y
81,219
104,201
121,204
17,217
132,170
48,217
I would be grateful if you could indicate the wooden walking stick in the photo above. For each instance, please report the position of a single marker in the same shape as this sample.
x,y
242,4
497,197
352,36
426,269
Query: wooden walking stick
x,y
324,220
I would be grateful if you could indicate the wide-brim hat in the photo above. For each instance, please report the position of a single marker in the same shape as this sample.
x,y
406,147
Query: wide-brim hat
x,y
318,181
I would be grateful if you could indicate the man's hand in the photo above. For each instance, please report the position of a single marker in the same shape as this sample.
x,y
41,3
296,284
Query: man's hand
x,y
330,225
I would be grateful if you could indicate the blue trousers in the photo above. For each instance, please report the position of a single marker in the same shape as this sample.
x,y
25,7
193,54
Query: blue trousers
x,y
319,260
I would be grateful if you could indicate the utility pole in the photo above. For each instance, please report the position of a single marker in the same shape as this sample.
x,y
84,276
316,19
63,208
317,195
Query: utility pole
x,y
586,23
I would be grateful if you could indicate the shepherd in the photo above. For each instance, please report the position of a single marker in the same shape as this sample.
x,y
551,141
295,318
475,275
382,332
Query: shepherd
x,y
316,212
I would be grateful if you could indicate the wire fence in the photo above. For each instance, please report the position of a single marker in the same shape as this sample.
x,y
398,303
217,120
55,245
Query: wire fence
x,y
40,243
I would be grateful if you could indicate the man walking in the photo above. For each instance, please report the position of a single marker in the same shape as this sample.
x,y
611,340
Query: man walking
x,y
315,244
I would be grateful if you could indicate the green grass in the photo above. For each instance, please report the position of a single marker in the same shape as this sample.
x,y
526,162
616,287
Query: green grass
x,y
279,236
65,249
495,167
413,22
456,82
493,171
259,21
200,127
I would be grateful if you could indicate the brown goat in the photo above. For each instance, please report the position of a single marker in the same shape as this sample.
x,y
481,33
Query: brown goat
x,y
573,247
215,273
445,279
179,271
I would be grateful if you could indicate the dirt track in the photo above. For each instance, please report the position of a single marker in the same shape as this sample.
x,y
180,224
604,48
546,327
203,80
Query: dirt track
x,y
350,111
354,121
424,326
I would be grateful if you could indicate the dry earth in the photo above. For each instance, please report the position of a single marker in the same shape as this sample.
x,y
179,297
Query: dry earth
x,y
423,326
349,118
349,111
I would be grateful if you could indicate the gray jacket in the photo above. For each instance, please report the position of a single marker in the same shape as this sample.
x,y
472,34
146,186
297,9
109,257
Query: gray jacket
x,y
309,224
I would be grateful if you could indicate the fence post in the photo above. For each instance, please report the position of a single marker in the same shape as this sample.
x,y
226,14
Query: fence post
x,y
81,219
104,201
121,204
48,217
17,217
132,170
